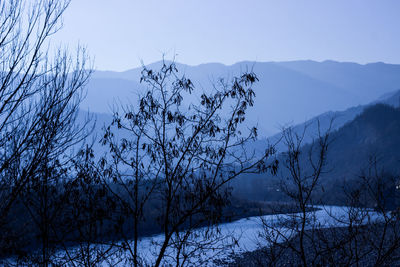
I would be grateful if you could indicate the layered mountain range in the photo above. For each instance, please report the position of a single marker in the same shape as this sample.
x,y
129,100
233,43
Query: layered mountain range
x,y
358,103
287,93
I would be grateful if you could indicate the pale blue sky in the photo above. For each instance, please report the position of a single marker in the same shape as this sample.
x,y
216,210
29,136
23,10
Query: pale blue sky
x,y
119,33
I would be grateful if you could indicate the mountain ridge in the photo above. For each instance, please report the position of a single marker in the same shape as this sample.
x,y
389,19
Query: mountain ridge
x,y
249,61
289,92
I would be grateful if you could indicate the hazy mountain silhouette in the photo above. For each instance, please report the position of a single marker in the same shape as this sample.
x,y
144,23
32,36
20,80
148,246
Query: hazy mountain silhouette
x,y
337,118
288,92
366,81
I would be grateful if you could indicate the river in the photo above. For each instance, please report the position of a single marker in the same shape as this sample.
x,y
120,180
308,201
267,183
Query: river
x,y
245,234
240,236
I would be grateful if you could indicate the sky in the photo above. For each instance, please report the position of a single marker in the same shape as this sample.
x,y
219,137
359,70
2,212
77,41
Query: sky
x,y
119,34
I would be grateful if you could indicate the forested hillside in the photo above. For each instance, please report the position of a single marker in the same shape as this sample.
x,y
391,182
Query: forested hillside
x,y
373,136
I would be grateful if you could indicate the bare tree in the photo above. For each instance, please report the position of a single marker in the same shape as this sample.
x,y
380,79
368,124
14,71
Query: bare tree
x,y
365,232
288,236
40,92
373,220
175,157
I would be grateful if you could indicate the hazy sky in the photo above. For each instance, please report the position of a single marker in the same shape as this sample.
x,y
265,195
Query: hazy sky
x,y
120,33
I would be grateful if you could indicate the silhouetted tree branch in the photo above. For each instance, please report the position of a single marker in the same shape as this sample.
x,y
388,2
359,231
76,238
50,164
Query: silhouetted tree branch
x,y
178,157
39,100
